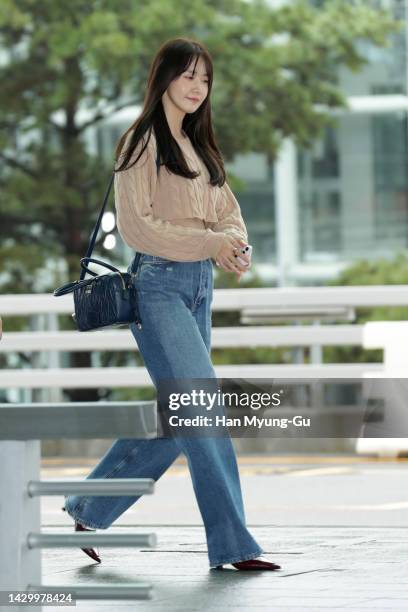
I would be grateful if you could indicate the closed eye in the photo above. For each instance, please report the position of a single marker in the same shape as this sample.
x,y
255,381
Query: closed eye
x,y
189,77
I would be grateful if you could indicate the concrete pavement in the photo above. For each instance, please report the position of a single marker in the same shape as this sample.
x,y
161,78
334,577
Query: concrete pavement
x,y
336,525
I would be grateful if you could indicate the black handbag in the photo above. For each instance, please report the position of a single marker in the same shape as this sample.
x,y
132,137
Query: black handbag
x,y
105,300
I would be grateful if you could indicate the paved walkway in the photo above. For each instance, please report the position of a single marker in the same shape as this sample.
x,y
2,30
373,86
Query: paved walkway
x,y
322,569
357,558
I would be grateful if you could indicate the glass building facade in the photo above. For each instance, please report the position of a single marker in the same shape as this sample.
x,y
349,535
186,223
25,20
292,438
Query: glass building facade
x,y
353,185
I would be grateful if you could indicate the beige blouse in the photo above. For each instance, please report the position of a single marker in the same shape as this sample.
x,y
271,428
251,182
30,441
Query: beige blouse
x,y
172,216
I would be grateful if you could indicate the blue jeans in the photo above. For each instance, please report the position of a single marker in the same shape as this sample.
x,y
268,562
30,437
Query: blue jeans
x,y
175,342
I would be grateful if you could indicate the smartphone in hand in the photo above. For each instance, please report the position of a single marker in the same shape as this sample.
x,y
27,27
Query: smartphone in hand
x,y
246,250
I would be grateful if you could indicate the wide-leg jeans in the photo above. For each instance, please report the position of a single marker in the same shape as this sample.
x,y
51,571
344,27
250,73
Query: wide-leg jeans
x,y
174,300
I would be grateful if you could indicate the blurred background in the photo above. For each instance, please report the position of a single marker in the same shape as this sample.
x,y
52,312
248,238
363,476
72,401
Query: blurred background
x,y
310,107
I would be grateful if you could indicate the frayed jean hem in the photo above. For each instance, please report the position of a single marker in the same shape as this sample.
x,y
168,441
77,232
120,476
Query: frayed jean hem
x,y
89,524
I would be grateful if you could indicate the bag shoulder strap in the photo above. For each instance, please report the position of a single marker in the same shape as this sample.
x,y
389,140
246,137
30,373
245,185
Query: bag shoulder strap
x,y
98,223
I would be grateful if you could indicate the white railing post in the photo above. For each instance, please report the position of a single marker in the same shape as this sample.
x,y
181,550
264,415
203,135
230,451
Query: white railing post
x,y
392,337
19,514
54,358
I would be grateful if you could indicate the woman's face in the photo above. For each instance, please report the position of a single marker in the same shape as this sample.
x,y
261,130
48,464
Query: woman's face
x,y
188,91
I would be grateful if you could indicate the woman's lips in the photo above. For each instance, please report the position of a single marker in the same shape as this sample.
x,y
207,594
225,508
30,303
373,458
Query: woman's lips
x,y
193,99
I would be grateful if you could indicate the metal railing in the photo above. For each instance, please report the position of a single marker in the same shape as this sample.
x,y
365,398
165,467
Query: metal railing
x,y
21,429
256,305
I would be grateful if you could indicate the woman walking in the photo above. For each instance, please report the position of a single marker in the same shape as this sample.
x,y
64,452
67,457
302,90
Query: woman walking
x,y
176,211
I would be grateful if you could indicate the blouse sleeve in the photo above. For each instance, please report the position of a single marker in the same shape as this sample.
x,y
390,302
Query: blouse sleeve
x,y
141,230
229,215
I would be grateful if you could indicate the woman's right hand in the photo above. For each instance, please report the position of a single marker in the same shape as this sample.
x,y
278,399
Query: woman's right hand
x,y
226,258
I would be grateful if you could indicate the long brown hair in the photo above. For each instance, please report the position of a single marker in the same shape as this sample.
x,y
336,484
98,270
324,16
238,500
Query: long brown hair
x,y
172,59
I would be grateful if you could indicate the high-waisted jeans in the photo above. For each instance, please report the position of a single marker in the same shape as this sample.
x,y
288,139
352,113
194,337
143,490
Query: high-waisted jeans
x,y
175,311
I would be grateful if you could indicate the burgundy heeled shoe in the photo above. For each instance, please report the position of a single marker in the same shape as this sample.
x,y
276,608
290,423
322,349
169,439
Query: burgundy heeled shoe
x,y
253,565
88,551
